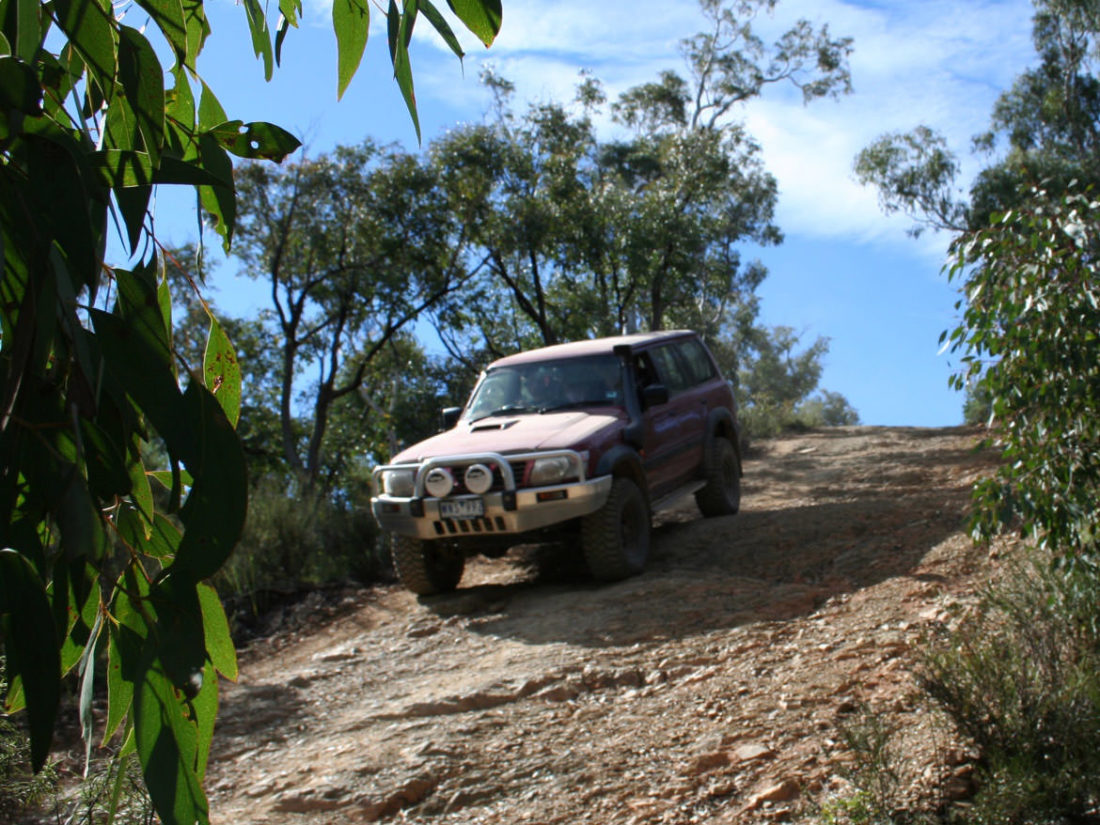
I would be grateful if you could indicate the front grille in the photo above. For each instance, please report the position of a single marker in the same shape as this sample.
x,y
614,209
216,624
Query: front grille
x,y
468,527
519,472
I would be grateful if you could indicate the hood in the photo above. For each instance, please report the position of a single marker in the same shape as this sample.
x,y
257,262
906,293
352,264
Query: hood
x,y
514,434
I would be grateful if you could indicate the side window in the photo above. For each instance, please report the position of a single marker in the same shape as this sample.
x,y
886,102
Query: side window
x,y
645,371
670,369
699,365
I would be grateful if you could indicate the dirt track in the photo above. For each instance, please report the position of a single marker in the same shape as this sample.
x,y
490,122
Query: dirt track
x,y
708,689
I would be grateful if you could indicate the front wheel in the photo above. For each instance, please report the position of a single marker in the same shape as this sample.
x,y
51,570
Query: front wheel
x,y
722,494
427,567
615,538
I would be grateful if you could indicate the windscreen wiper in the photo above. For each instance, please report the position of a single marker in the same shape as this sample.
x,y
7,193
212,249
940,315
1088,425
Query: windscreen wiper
x,y
587,402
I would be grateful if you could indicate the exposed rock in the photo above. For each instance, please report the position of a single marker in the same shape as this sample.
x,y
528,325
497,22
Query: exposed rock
x,y
406,796
783,791
708,762
751,751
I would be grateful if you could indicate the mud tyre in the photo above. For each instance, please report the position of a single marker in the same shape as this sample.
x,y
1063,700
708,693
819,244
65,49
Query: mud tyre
x,y
615,539
722,494
427,567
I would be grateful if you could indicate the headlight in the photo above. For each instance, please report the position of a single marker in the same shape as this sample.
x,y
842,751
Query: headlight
x,y
550,470
398,482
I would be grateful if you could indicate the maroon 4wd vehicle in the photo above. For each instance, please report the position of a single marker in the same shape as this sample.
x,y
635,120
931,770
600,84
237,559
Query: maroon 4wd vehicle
x,y
583,440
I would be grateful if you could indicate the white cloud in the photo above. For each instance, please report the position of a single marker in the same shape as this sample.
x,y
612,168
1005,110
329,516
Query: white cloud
x,y
936,62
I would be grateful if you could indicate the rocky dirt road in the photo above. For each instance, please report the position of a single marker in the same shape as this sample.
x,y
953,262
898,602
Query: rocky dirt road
x,y
709,689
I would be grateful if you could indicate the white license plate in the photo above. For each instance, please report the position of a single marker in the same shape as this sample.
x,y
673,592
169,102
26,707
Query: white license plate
x,y
462,508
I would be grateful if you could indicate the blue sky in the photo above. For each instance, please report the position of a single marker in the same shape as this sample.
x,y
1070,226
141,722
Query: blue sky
x,y
845,271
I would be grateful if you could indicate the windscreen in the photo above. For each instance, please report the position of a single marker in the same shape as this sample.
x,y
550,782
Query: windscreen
x,y
544,386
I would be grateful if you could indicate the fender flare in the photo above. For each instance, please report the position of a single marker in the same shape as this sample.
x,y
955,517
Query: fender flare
x,y
622,460
722,424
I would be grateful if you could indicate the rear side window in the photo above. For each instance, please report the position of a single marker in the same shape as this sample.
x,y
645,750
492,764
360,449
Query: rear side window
x,y
673,372
699,366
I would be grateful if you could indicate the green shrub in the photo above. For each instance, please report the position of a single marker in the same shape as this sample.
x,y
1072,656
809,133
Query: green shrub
x,y
876,775
764,417
20,789
1022,681
1031,352
295,540
112,792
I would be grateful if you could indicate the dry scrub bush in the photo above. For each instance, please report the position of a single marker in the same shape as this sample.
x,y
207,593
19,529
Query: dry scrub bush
x,y
1021,680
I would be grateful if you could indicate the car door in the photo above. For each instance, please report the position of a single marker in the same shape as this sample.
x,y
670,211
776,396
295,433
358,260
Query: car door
x,y
708,389
674,429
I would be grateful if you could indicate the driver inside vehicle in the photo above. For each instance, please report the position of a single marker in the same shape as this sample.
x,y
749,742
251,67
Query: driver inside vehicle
x,y
545,389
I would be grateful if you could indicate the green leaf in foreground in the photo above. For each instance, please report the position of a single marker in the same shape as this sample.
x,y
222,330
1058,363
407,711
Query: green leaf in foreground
x,y
31,646
168,746
351,23
222,371
482,17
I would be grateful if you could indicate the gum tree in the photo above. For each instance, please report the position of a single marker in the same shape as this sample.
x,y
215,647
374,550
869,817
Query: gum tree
x,y
90,386
353,247
584,236
1024,253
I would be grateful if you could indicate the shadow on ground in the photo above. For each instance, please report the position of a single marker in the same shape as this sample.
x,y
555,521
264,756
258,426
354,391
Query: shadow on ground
x,y
711,574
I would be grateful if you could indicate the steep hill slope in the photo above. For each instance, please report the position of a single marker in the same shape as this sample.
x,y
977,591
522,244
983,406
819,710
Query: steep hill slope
x,y
708,689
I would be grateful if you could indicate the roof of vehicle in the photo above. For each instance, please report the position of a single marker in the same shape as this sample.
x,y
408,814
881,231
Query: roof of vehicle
x,y
594,346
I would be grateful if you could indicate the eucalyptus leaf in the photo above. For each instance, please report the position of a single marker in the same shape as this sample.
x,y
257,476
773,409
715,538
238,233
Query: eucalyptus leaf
x,y
219,642
89,26
351,22
31,31
402,68
440,24
211,112
120,691
87,690
219,201
31,648
261,36
198,29
180,644
167,745
142,81
204,708
170,19
211,516
482,17
255,140
19,89
222,372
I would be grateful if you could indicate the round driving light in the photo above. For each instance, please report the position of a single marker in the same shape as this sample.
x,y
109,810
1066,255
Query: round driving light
x,y
479,478
439,482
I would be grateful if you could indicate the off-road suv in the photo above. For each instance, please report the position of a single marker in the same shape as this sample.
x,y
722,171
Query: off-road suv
x,y
584,440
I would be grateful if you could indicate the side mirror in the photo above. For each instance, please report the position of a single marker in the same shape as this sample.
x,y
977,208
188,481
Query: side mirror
x,y
450,416
654,395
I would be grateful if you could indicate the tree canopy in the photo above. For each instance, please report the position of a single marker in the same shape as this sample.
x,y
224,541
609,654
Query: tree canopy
x,y
353,247
582,235
1046,128
527,229
1024,251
